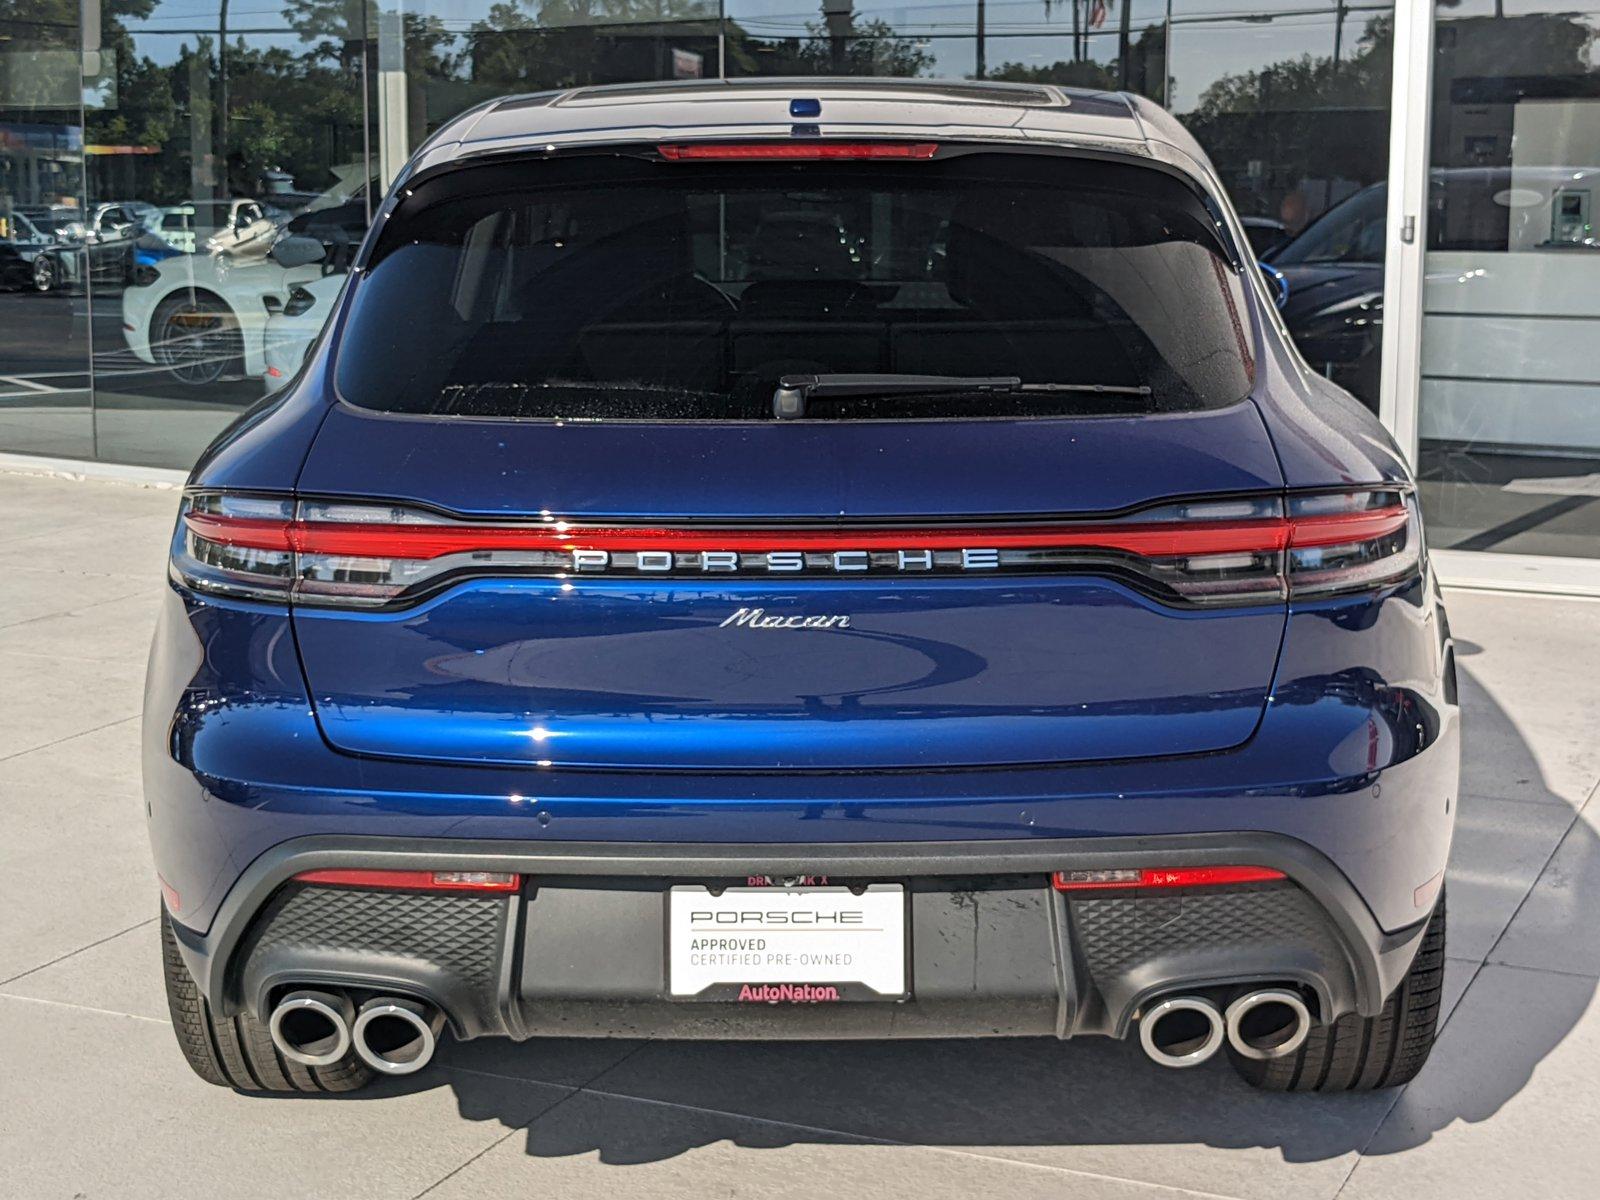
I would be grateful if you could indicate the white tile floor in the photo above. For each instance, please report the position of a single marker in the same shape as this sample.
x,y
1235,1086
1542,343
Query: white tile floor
x,y
95,1101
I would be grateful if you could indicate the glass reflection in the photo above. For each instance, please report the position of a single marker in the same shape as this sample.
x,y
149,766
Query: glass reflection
x,y
140,203
44,244
1510,404
212,129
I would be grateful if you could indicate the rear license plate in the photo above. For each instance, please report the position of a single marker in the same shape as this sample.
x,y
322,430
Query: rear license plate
x,y
803,944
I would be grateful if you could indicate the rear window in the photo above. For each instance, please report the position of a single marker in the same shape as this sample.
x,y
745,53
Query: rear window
x,y
616,288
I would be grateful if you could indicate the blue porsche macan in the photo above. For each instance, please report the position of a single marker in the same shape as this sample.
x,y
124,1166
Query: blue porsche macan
x,y
803,559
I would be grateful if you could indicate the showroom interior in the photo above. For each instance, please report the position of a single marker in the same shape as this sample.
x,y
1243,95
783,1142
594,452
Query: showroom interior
x,y
1420,181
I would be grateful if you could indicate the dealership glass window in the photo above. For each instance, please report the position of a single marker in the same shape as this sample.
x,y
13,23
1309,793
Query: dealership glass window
x,y
45,399
210,130
1509,415
1291,102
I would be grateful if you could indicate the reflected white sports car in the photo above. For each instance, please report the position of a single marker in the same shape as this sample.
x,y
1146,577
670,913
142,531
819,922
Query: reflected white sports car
x,y
203,317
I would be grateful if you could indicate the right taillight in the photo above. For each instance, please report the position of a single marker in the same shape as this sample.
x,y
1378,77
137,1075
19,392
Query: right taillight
x,y
1351,541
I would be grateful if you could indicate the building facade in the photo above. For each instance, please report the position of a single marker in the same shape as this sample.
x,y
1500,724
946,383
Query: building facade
x,y
1422,178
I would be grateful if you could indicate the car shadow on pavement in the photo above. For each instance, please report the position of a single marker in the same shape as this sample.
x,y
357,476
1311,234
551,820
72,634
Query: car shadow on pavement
x,y
1037,1093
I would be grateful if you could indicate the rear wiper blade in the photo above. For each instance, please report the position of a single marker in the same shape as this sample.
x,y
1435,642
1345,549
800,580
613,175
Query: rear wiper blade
x,y
789,401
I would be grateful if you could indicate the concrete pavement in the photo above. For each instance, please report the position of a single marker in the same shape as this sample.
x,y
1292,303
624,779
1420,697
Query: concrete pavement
x,y
95,1100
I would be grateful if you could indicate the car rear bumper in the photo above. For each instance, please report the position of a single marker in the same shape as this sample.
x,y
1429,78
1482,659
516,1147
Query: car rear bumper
x,y
1358,762
994,949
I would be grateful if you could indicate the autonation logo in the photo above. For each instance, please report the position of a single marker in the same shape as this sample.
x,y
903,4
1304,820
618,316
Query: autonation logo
x,y
788,993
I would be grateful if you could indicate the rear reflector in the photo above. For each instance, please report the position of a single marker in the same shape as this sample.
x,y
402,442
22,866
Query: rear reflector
x,y
1426,893
797,151
428,881
1160,877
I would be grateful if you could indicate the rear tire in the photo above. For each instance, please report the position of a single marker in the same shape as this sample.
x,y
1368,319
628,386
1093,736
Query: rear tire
x,y
1361,1054
197,338
237,1052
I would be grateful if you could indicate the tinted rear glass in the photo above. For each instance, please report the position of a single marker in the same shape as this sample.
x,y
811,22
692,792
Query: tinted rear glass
x,y
612,287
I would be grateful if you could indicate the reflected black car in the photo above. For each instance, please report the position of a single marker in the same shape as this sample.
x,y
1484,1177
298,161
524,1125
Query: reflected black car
x,y
1334,268
339,227
30,258
104,238
1334,272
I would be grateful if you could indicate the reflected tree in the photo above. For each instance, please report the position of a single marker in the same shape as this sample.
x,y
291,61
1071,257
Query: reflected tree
x,y
1145,71
870,48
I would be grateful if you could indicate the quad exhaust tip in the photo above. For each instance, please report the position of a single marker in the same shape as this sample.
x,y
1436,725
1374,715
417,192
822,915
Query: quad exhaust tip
x,y
1181,1031
1268,1023
395,1036
312,1028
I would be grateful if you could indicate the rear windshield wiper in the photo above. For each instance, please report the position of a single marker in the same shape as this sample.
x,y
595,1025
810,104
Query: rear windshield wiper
x,y
794,391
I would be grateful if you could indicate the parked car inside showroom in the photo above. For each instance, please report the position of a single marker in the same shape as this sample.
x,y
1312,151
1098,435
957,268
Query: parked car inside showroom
x,y
637,620
1333,271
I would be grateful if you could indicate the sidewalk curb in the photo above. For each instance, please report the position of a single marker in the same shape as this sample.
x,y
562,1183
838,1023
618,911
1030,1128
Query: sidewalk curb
x,y
80,470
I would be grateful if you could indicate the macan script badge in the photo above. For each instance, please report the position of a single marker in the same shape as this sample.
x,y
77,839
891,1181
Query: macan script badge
x,y
759,618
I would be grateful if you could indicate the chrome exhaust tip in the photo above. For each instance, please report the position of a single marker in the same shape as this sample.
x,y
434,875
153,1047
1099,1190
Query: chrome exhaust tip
x,y
396,1036
1268,1023
1182,1031
312,1028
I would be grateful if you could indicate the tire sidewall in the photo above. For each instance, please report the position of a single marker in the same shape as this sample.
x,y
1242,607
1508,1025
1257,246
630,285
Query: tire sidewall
x,y
161,330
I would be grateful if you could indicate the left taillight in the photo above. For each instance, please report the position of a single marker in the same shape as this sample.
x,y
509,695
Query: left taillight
x,y
269,548
212,554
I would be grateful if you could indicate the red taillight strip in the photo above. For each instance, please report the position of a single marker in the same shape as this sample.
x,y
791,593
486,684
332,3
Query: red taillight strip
x,y
1149,539
431,881
797,151
254,533
1336,529
1165,877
